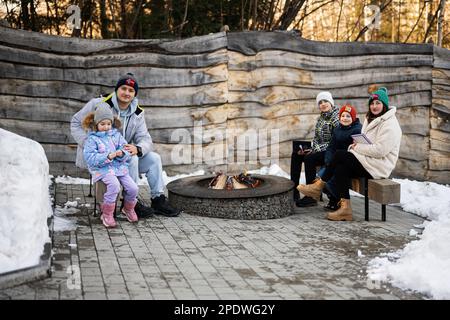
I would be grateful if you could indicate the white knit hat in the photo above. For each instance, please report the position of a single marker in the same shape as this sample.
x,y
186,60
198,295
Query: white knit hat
x,y
325,95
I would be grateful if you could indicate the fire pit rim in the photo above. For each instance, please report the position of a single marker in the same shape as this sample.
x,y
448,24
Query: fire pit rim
x,y
189,187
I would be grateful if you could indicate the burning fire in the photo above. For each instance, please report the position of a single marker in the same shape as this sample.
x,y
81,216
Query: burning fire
x,y
241,181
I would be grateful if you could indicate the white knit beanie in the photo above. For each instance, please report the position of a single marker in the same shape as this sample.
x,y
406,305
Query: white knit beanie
x,y
325,95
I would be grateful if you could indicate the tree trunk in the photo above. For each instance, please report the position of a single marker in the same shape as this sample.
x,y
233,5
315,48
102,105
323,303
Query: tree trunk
x,y
339,20
417,22
111,8
430,25
34,22
132,32
103,20
186,12
58,31
440,18
123,19
25,15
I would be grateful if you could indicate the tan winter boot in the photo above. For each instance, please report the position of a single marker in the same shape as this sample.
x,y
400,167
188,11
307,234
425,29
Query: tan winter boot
x,y
344,213
313,190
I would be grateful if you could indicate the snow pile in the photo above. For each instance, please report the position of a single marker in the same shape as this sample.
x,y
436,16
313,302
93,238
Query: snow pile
x,y
168,179
423,264
427,199
71,180
63,221
24,201
273,170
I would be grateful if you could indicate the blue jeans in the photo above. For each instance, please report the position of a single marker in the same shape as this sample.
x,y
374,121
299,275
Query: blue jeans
x,y
149,164
331,184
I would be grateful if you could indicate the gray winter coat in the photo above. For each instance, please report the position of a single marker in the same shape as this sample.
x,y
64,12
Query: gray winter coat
x,y
134,128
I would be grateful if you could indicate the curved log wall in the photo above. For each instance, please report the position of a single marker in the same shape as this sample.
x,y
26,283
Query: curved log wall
x,y
201,95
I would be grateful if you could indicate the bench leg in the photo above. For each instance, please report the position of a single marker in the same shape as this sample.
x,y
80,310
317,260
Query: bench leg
x,y
95,206
366,199
383,212
90,186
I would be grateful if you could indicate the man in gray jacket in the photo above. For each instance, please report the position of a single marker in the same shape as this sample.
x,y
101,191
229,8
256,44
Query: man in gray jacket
x,y
124,105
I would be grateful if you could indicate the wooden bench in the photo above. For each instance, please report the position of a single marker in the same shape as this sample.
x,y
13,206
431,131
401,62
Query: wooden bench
x,y
384,191
99,191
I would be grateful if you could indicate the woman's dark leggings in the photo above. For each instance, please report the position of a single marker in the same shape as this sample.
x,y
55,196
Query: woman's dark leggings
x,y
344,166
296,169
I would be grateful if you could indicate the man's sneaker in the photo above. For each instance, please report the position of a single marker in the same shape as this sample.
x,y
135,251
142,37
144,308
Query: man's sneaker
x,y
306,202
143,211
161,206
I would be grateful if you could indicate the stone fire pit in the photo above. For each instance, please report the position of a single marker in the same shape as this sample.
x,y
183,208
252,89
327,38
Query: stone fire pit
x,y
272,199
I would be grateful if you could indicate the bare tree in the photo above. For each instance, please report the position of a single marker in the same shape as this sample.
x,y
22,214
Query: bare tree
x,y
136,12
103,20
185,16
430,24
339,20
417,21
440,18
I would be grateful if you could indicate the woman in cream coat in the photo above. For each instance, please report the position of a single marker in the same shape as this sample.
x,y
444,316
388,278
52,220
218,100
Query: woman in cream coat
x,y
374,161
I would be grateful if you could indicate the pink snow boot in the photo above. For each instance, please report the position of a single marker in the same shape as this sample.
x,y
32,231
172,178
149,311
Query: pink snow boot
x,y
128,210
108,215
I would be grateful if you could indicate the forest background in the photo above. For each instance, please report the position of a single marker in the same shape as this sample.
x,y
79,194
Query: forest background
x,y
399,21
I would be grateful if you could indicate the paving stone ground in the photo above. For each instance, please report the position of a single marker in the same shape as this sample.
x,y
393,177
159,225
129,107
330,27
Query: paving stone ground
x,y
303,256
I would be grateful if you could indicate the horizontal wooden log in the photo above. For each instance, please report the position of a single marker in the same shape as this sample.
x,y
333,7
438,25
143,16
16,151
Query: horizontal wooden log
x,y
148,77
223,152
442,177
42,132
185,96
288,128
443,74
441,104
252,42
281,76
179,117
38,109
120,59
441,92
279,58
414,147
441,58
410,169
439,160
414,120
277,94
439,140
67,169
60,152
439,120
58,44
